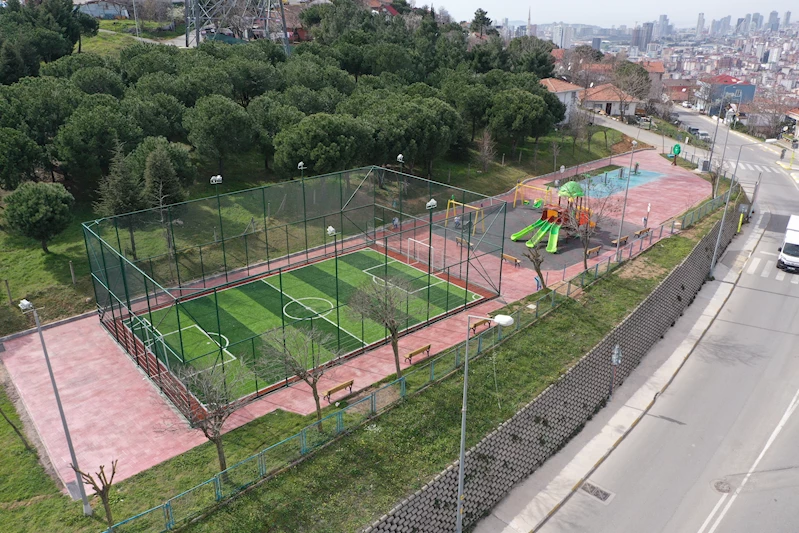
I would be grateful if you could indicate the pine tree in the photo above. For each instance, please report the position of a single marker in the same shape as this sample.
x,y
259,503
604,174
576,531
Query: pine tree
x,y
121,192
161,183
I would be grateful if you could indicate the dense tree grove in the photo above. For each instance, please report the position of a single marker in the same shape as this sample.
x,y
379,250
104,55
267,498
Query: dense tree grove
x,y
363,90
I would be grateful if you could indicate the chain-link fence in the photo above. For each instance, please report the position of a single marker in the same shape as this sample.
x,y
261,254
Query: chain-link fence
x,y
179,509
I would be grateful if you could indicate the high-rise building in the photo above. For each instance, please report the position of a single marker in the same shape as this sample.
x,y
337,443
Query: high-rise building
x,y
757,21
661,28
646,34
773,21
724,25
635,39
747,24
568,37
557,35
786,19
739,26
596,43
700,25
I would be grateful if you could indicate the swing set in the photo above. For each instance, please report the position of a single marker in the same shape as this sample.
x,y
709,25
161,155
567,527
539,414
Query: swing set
x,y
519,190
479,218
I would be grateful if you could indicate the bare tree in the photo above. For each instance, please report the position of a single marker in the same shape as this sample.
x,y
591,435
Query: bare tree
x,y
487,149
302,352
631,83
383,301
537,259
555,153
586,221
216,389
768,111
17,431
102,486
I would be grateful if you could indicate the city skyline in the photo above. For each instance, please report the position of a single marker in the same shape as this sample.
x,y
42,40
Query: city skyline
x,y
681,13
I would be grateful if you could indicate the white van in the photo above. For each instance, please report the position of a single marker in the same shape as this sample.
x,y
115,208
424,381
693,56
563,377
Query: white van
x,y
703,135
789,251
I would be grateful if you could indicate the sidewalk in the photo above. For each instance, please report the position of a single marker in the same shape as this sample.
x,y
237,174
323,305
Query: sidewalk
x,y
530,503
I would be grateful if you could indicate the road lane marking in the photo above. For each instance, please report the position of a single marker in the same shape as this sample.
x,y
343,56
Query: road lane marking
x,y
767,269
795,279
713,512
783,421
753,265
780,275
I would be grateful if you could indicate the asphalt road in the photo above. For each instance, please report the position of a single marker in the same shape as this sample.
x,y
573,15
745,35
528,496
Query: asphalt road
x,y
717,453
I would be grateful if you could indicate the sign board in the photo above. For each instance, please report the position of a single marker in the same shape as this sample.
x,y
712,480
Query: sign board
x,y
615,358
676,150
743,208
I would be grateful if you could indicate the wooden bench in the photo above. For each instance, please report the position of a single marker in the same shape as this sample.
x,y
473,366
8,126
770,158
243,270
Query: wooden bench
x,y
594,250
340,386
463,242
511,259
641,232
418,351
620,242
479,323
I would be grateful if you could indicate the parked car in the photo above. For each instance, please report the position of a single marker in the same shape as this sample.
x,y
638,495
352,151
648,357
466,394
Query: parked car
x,y
692,130
703,135
686,105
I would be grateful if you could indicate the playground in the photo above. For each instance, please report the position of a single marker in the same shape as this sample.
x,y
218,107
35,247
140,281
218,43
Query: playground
x,y
539,214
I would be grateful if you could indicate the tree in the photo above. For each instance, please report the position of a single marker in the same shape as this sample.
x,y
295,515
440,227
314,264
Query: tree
x,y
302,352
218,127
158,115
486,150
121,192
586,223
488,56
631,81
531,54
514,114
12,66
102,486
93,80
39,211
214,388
66,66
382,301
268,118
537,259
136,161
768,111
555,153
480,23
251,78
19,157
325,143
161,184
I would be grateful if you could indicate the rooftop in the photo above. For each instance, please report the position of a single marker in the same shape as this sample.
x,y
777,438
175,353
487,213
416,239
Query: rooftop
x,y
554,85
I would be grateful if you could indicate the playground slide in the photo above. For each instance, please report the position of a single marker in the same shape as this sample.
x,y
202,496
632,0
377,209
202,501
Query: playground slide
x,y
540,235
519,234
552,245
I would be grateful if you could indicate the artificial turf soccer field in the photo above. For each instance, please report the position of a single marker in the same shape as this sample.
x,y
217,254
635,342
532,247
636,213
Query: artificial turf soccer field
x,y
227,324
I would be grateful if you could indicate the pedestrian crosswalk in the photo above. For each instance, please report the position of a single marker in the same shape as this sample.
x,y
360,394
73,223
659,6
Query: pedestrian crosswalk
x,y
751,167
768,269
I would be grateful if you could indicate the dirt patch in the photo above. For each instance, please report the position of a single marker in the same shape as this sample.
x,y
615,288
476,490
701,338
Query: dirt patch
x,y
626,145
641,268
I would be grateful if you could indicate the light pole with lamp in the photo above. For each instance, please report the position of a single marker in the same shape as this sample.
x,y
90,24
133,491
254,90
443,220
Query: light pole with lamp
x,y
215,181
502,320
28,307
626,190
727,202
331,232
430,206
401,161
301,167
726,137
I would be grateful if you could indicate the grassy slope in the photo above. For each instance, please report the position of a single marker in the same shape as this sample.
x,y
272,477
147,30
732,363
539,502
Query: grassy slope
x,y
147,28
106,44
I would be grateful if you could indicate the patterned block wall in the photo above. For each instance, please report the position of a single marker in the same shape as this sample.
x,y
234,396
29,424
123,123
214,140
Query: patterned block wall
x,y
518,447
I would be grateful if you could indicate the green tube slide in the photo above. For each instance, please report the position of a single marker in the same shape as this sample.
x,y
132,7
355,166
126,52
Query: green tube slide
x,y
521,233
552,245
540,235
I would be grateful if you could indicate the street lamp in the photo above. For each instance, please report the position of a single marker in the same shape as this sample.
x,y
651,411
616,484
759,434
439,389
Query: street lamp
x,y
401,161
502,320
726,137
626,190
215,181
28,307
727,201
430,206
331,232
301,167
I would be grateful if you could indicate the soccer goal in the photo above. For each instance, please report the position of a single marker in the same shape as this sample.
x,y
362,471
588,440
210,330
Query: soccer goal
x,y
421,252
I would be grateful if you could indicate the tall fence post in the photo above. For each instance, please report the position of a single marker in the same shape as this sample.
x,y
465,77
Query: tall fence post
x,y
72,273
8,291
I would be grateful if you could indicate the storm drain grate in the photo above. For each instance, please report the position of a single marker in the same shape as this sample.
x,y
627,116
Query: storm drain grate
x,y
596,492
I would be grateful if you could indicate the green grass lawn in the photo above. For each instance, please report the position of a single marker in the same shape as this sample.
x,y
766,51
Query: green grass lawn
x,y
148,29
106,44
228,325
675,133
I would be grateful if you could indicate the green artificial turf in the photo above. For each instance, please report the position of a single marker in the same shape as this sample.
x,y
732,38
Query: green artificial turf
x,y
228,325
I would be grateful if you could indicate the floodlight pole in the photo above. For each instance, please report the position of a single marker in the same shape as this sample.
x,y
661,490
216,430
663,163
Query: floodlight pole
x,y
508,321
429,258
624,207
26,306
215,181
338,303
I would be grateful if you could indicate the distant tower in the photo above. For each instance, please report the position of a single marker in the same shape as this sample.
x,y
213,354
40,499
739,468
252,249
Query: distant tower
x,y
786,19
529,24
700,25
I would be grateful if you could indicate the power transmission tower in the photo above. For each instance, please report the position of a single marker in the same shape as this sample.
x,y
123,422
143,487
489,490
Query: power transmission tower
x,y
243,18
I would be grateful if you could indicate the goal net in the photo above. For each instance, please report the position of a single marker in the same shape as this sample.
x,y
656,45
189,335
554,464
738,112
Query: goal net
x,y
421,253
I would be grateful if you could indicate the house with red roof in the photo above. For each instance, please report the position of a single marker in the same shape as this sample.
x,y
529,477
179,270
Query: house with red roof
x,y
607,99
720,91
566,92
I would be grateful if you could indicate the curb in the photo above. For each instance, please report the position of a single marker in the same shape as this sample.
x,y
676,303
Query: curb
x,y
49,325
646,410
